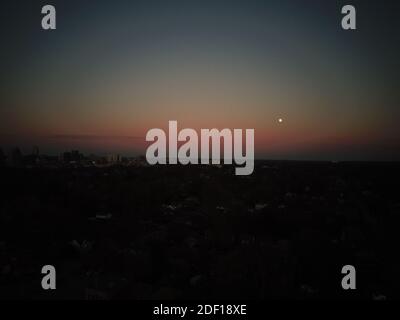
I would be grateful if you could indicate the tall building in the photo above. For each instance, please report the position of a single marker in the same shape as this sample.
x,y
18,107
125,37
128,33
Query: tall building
x,y
35,151
2,158
15,158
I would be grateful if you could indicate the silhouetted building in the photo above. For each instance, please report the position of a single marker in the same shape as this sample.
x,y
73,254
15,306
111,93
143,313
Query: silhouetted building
x,y
15,158
33,158
2,158
72,156
113,158
35,151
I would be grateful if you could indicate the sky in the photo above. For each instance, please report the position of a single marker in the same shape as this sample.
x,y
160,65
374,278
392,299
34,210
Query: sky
x,y
112,70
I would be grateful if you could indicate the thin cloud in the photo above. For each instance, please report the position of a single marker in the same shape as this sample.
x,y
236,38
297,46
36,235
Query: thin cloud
x,y
92,137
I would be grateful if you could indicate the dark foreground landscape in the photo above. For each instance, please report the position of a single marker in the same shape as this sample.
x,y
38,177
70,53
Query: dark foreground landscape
x,y
166,232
